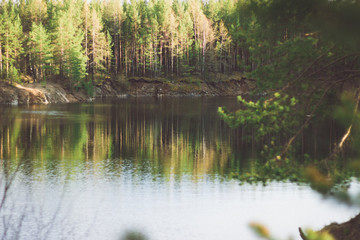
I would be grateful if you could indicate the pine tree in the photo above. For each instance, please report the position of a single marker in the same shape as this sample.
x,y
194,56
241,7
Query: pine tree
x,y
113,18
70,56
86,17
99,47
186,37
153,49
11,41
223,45
2,36
144,38
41,52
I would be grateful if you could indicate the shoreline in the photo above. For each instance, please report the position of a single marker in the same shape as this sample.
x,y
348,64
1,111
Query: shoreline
x,y
51,93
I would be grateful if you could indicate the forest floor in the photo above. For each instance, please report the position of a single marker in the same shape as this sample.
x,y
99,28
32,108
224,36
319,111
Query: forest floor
x,y
55,92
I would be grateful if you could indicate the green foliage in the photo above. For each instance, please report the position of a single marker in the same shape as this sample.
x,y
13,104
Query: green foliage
x,y
99,45
89,88
69,51
11,37
14,74
275,72
268,117
41,51
134,235
312,235
261,231
139,38
77,65
274,41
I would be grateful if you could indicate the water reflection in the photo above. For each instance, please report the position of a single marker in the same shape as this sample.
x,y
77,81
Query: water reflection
x,y
162,138
162,166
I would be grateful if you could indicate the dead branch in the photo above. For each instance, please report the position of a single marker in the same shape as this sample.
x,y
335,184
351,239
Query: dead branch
x,y
298,77
302,234
291,140
288,85
341,143
333,62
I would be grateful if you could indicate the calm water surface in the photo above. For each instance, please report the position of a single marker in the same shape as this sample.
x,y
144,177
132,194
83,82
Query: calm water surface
x,y
160,166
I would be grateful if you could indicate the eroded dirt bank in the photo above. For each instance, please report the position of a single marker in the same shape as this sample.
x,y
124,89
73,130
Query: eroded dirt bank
x,y
37,94
54,93
349,230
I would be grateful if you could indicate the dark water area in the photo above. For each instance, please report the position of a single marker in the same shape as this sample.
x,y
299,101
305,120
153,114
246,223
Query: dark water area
x,y
182,134
154,136
162,166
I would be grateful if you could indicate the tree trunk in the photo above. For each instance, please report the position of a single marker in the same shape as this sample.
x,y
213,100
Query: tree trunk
x,y
120,51
7,56
203,52
161,55
94,52
126,69
1,61
172,55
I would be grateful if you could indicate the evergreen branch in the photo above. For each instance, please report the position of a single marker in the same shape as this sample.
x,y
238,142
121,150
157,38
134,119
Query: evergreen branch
x,y
291,83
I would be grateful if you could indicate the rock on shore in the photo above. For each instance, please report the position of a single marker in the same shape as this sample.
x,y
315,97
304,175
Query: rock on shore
x,y
37,93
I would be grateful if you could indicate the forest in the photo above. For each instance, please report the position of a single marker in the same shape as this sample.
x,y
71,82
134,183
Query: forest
x,y
81,43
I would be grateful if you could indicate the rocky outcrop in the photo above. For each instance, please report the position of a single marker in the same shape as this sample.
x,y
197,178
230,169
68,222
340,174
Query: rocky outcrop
x,y
54,93
37,94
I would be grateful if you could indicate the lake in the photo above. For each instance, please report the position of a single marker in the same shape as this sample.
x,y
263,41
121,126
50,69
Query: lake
x,y
163,167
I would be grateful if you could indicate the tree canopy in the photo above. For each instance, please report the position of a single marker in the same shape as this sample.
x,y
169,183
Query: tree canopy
x,y
54,40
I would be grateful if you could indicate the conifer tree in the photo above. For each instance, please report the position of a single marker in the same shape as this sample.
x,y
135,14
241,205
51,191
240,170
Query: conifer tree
x,y
137,37
41,52
11,38
113,19
153,49
2,35
70,55
99,47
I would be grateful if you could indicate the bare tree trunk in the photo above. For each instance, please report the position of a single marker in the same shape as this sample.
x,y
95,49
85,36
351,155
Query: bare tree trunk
x,y
7,60
116,46
126,69
120,51
203,52
161,55
86,44
144,60
340,145
172,54
1,60
221,62
94,52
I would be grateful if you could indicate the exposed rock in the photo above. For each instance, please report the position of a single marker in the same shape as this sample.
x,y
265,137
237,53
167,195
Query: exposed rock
x,y
37,94
54,93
